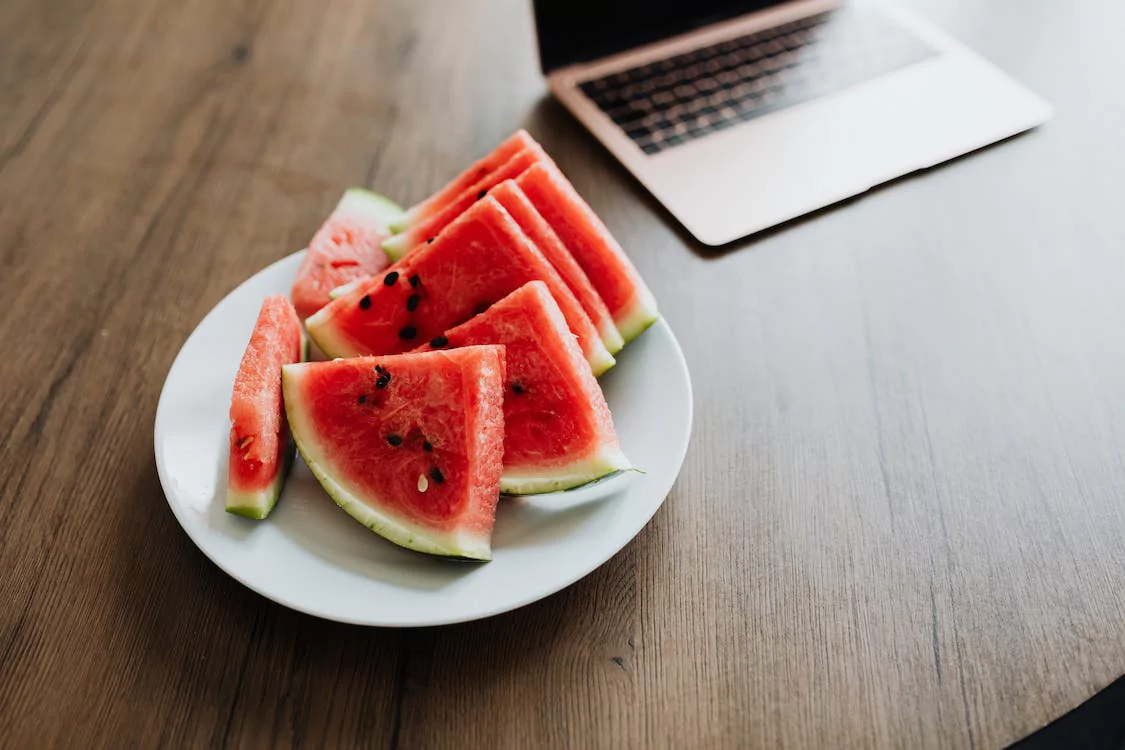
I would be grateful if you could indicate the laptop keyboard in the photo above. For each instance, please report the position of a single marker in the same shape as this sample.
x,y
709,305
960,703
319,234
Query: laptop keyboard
x,y
669,102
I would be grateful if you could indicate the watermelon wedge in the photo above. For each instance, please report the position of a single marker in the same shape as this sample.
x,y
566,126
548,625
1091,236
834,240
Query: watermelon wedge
x,y
410,446
346,247
518,141
539,231
558,432
610,271
478,260
431,225
261,450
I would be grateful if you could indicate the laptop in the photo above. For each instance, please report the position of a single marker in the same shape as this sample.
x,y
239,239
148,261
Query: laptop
x,y
738,116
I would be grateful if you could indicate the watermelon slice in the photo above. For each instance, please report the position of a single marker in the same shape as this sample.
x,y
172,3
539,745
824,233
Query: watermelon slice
x,y
261,451
610,271
345,248
430,225
479,259
558,432
518,141
539,231
410,446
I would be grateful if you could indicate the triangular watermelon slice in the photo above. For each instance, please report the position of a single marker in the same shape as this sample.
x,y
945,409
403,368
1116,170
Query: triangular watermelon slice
x,y
478,260
610,271
539,231
430,225
558,432
346,247
410,446
516,142
261,450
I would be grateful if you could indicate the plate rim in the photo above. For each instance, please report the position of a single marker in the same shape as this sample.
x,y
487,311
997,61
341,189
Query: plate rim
x,y
480,614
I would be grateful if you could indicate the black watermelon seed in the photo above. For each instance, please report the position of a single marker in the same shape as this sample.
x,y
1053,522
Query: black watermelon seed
x,y
429,240
408,333
517,388
481,194
439,342
379,368
390,278
436,475
412,302
363,398
383,381
415,280
427,447
365,302
394,440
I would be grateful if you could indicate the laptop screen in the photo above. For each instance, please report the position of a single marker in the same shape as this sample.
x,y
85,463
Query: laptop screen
x,y
573,31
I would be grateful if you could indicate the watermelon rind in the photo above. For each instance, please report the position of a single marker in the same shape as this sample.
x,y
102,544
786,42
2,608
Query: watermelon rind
x,y
602,361
326,335
398,246
405,220
258,505
392,528
642,315
611,337
605,462
363,201
343,289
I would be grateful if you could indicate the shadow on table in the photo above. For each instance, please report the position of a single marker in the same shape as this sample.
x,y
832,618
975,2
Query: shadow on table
x,y
1098,724
558,130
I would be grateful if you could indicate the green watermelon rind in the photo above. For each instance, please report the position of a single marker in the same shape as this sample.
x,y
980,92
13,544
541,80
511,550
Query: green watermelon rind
x,y
325,334
393,529
610,336
559,479
396,247
405,221
363,201
343,289
258,505
642,314
601,362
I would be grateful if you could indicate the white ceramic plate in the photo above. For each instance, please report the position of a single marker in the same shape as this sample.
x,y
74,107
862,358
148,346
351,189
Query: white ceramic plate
x,y
310,556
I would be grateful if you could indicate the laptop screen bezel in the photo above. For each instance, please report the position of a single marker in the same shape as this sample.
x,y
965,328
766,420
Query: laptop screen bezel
x,y
558,48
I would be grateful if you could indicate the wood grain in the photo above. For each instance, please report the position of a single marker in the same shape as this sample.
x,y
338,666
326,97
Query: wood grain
x,y
900,522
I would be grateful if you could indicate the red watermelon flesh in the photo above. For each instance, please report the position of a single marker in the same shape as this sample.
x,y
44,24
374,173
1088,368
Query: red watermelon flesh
x,y
348,246
516,142
610,271
558,432
432,224
260,448
478,260
539,231
410,446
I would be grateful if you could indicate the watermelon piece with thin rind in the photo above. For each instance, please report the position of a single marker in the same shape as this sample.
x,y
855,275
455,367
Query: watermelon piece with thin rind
x,y
408,445
558,431
261,450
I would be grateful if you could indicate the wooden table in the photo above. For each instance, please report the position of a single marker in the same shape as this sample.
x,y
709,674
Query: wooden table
x,y
901,520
